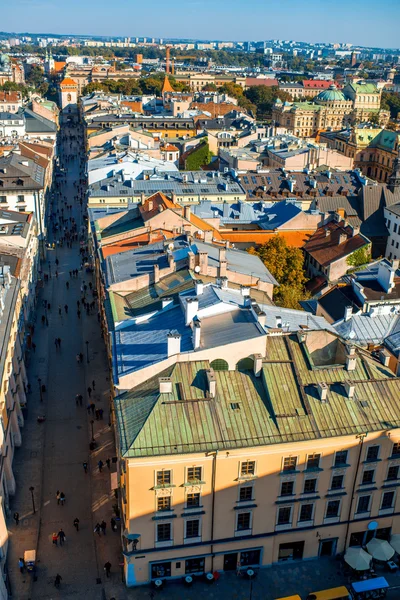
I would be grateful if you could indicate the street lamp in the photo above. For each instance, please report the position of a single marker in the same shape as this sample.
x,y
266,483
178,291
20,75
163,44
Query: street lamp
x,y
92,423
33,499
87,352
40,389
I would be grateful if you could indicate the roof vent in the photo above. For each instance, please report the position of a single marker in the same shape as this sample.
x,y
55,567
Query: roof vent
x,y
384,357
165,385
349,389
211,382
322,391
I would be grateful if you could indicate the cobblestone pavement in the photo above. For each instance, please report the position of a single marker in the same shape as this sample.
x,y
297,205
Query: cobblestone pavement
x,y
51,458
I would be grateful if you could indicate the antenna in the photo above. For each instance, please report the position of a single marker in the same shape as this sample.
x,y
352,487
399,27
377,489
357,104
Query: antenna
x,y
197,269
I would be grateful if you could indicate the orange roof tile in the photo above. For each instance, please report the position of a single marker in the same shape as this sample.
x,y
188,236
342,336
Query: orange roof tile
x,y
68,81
58,66
167,87
204,226
257,237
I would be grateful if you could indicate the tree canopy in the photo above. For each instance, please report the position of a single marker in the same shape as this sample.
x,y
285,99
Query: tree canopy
x,y
286,264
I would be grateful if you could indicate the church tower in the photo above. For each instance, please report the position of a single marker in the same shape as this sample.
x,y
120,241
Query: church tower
x,y
394,179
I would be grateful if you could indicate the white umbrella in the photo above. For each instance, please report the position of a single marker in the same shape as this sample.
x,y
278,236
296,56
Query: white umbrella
x,y
380,549
395,542
358,559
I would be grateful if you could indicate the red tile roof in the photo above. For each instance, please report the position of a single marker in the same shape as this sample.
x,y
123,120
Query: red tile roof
x,y
250,81
317,83
10,96
327,246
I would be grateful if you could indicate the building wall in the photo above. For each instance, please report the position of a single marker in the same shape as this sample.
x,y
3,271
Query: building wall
x,y
139,484
393,241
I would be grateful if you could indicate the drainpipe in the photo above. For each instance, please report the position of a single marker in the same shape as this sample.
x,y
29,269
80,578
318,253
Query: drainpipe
x,y
360,437
214,475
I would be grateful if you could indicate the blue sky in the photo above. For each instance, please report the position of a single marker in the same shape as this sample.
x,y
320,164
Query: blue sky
x,y
363,22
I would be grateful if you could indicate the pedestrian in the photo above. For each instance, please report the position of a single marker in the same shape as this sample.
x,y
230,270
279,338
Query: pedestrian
x,y
113,523
103,526
16,517
43,319
77,399
56,342
57,580
78,312
97,528
59,342
59,310
78,359
107,568
58,497
93,384
85,466
78,303
100,465
92,407
66,308
67,285
21,564
48,306
89,391
56,261
62,537
97,414
108,463
101,413
76,524
54,537
80,398
62,498
57,274
34,347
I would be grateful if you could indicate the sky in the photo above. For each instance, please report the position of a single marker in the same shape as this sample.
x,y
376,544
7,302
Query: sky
x,y
360,22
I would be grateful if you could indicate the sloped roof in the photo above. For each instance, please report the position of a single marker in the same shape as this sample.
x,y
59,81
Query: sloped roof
x,y
67,81
325,247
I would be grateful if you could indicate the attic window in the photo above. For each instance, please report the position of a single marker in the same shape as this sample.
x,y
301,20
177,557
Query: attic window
x,y
235,406
364,403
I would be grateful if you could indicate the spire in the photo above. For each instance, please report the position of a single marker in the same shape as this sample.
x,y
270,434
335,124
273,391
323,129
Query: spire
x,y
394,179
167,87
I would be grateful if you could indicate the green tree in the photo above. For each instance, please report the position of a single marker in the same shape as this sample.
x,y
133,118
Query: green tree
x,y
36,76
360,257
200,157
264,97
286,264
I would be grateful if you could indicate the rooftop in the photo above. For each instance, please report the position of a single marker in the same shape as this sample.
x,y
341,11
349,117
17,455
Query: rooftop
x,y
333,242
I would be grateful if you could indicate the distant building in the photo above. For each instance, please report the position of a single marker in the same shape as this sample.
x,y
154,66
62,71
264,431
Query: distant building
x,y
68,89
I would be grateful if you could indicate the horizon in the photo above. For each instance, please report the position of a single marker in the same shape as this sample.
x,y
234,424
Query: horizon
x,y
361,23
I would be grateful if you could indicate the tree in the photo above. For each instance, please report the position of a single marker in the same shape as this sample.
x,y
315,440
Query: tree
x,y
35,76
391,101
199,157
360,257
264,97
285,263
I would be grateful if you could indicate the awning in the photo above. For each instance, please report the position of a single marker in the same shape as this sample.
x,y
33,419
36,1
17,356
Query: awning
x,y
358,559
380,549
114,481
395,542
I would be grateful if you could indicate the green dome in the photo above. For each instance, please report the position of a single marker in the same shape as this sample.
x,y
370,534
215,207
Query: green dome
x,y
331,95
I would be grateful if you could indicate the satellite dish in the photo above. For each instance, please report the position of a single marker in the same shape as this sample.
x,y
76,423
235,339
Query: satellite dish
x,y
171,246
197,269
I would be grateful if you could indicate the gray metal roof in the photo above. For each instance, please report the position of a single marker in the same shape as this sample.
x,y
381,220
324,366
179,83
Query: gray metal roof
x,y
232,212
366,329
35,123
194,184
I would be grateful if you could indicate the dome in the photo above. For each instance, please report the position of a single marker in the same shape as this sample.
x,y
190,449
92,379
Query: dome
x,y
331,95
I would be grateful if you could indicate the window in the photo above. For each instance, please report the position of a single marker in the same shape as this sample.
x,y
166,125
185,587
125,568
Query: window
x,y
163,477
3,198
287,488
396,449
368,477
332,509
164,503
163,532
387,500
243,521
160,570
193,528
395,228
247,468
310,485
290,463
363,504
245,493
340,458
306,512
313,461
337,482
193,474
21,198
284,515
393,473
372,453
193,500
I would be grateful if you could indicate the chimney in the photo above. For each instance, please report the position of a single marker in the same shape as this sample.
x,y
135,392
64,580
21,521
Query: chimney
x,y
351,358
327,233
257,366
384,357
342,238
222,282
262,318
322,391
186,212
222,262
166,302
349,389
222,255
208,236
278,321
191,261
196,333
174,343
199,285
156,273
348,311
244,290
165,385
355,231
203,263
386,275
191,309
211,382
171,262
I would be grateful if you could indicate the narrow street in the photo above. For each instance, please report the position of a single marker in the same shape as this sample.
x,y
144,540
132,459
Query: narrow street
x,y
53,452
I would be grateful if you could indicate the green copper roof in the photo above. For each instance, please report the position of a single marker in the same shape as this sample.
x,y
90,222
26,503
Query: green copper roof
x,y
306,106
282,405
364,88
331,95
385,139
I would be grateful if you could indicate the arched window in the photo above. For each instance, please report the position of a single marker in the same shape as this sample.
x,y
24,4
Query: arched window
x,y
246,364
69,97
219,364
